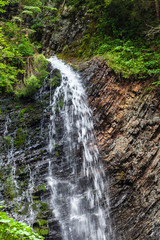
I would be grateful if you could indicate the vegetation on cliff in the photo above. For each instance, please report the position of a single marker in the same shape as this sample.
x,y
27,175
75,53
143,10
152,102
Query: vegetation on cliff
x,y
22,68
13,230
125,33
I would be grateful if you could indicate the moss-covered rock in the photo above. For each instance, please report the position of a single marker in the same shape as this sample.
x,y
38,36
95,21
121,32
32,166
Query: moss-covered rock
x,y
24,159
56,78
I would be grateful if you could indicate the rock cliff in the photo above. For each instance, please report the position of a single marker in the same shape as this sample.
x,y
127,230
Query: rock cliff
x,y
127,124
24,160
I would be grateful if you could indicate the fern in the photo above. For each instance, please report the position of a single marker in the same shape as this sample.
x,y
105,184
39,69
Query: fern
x,y
27,12
33,9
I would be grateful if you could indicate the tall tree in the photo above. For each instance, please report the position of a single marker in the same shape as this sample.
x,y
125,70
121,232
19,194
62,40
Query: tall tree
x,y
157,10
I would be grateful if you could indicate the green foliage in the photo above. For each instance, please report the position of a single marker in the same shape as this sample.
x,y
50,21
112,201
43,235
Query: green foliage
x,y
10,188
2,5
35,80
37,3
15,48
42,188
13,230
61,103
29,88
26,48
7,140
131,59
38,24
27,12
156,83
16,18
107,2
20,138
21,113
57,78
31,10
40,67
16,51
49,8
8,77
117,32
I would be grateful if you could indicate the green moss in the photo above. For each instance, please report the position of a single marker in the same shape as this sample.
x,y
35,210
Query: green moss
x,y
20,138
57,110
9,188
39,215
7,140
56,79
17,106
44,207
35,79
41,222
20,170
60,103
42,188
44,231
41,226
34,206
75,67
21,113
57,154
30,109
24,209
36,116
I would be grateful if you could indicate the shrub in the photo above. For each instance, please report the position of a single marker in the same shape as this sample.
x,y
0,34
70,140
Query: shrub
x,y
29,89
35,80
13,230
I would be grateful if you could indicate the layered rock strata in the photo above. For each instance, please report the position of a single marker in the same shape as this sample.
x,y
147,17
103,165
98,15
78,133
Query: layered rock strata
x,y
24,161
127,123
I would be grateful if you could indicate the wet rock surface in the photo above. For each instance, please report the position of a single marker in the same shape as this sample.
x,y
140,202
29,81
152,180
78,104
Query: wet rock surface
x,y
24,161
127,124
68,30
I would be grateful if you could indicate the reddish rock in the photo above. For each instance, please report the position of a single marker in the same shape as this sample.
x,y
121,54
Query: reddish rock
x,y
127,124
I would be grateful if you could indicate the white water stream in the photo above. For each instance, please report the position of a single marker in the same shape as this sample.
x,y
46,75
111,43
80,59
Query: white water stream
x,y
79,189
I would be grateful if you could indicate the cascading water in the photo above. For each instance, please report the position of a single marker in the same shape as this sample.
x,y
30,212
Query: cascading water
x,y
14,184
79,195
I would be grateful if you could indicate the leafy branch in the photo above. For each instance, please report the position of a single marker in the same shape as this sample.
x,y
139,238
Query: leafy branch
x,y
13,230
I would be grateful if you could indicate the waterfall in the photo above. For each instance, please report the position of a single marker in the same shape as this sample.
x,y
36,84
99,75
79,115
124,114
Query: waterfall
x,y
79,189
13,183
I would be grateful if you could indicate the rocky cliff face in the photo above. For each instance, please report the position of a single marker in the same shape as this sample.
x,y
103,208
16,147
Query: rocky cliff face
x,y
24,161
66,33
127,123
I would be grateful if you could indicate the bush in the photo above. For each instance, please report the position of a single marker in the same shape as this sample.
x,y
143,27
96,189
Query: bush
x,y
13,230
131,59
35,80
36,3
127,57
29,88
15,48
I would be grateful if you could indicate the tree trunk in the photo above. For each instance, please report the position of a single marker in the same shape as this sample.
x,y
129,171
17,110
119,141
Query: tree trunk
x,y
62,7
157,10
